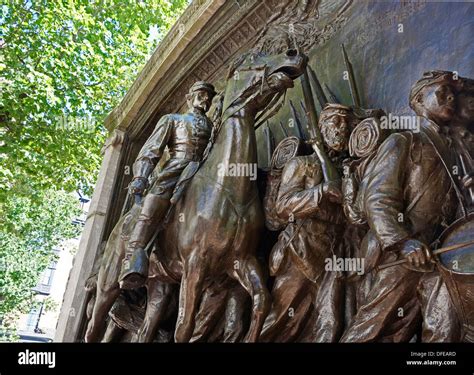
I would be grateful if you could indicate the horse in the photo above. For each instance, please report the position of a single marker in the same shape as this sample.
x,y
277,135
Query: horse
x,y
213,230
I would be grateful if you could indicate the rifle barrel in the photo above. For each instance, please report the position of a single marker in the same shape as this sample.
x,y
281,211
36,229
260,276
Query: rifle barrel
x,y
329,171
299,128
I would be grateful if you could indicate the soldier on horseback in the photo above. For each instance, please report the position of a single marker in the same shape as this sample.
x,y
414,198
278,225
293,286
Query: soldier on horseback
x,y
186,136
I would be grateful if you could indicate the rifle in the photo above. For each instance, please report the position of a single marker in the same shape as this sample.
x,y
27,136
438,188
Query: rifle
x,y
329,170
465,172
269,139
299,128
303,108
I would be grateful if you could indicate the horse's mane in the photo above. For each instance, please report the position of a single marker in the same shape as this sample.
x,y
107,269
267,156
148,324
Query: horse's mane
x,y
234,65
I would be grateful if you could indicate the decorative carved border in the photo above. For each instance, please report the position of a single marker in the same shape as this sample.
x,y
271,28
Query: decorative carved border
x,y
210,57
235,26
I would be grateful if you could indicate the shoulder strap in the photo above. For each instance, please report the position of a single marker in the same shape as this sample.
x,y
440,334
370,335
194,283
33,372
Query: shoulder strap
x,y
446,159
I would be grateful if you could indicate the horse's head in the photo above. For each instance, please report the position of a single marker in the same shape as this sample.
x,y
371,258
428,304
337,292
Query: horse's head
x,y
255,80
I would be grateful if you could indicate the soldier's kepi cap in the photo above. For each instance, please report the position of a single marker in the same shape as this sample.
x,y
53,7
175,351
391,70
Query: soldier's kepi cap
x,y
333,109
429,78
201,85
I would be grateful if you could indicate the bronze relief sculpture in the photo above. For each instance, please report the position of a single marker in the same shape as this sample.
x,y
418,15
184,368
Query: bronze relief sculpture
x,y
193,242
186,137
306,298
408,196
217,239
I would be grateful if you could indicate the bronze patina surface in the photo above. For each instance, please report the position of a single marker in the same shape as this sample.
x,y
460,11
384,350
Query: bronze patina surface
x,y
327,238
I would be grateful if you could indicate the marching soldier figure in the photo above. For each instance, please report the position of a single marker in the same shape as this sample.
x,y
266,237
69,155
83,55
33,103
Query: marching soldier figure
x,y
186,136
312,208
408,197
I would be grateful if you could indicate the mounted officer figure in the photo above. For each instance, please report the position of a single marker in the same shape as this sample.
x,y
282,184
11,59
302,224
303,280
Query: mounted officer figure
x,y
186,136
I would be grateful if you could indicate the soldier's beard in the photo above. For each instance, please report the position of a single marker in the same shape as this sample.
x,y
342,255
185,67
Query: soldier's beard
x,y
337,144
203,106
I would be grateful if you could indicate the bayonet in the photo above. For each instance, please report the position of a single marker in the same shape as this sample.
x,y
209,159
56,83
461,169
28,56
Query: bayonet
x,y
332,96
352,82
299,127
283,129
303,107
322,99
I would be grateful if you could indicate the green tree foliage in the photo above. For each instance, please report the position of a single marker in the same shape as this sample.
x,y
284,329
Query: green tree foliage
x,y
63,66
29,232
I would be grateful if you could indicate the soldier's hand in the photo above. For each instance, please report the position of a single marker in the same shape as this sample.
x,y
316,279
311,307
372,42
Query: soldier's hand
x,y
138,186
315,144
416,253
333,191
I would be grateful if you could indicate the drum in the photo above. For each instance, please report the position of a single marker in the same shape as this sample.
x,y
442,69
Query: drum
x,y
457,269
460,260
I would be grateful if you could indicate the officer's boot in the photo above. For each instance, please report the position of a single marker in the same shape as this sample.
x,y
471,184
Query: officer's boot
x,y
134,271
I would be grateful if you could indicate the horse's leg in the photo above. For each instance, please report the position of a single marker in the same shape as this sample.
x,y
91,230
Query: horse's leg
x,y
250,276
107,285
106,293
236,319
103,303
159,296
189,296
210,311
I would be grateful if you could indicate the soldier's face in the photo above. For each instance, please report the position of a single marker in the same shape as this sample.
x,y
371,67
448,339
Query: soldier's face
x,y
466,107
201,100
438,102
336,131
